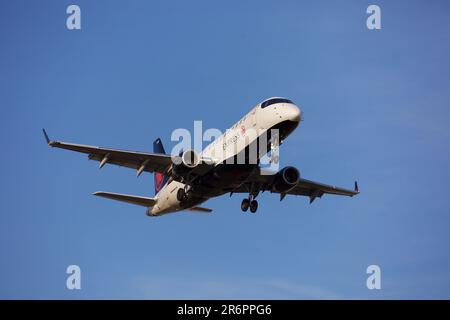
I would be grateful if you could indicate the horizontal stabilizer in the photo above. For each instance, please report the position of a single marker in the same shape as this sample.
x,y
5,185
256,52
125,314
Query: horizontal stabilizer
x,y
141,201
200,209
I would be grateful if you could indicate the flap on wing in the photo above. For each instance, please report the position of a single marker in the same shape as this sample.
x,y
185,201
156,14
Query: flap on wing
x,y
141,201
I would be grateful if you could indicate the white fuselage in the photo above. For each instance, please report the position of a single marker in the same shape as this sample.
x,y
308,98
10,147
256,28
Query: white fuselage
x,y
232,142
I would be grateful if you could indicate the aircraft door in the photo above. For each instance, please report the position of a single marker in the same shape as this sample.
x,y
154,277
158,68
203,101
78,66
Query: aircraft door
x,y
253,119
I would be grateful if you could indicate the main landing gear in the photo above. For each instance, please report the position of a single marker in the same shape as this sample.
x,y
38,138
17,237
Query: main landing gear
x,y
247,203
182,194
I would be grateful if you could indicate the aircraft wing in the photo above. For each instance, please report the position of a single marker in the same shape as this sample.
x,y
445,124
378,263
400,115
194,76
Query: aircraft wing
x,y
141,161
304,187
316,189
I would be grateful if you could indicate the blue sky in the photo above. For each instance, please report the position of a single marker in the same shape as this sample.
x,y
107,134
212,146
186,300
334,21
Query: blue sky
x,y
376,109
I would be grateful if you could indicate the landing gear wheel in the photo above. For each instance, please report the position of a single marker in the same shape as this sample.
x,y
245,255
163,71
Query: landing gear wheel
x,y
253,206
245,204
181,195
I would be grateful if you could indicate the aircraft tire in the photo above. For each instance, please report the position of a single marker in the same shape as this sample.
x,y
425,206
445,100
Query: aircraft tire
x,y
253,206
245,204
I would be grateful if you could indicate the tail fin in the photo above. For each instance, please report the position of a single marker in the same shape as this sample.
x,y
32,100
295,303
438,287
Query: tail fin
x,y
160,179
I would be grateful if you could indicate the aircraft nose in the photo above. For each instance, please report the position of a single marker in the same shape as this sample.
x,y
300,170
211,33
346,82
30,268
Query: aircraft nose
x,y
293,113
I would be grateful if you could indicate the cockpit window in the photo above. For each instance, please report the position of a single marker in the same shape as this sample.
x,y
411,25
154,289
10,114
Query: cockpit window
x,y
273,101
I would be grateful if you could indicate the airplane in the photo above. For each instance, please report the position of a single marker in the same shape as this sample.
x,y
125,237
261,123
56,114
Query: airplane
x,y
194,177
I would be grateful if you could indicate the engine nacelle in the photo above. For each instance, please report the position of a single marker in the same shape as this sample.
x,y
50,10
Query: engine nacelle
x,y
187,161
286,179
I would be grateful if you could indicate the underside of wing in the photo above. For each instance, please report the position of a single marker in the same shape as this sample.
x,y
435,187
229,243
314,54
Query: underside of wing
x,y
303,187
140,161
316,190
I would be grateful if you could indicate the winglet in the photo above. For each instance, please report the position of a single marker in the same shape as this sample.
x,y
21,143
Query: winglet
x,y
46,136
51,143
356,187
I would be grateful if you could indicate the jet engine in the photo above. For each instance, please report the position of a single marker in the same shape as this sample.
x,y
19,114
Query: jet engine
x,y
286,179
185,162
